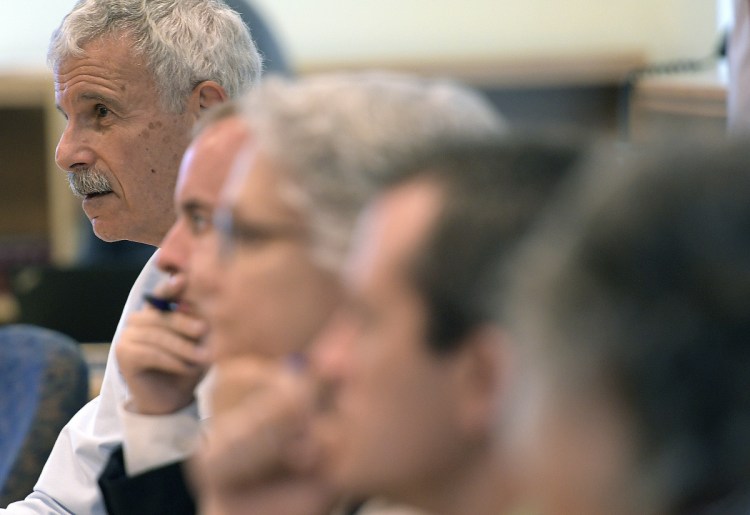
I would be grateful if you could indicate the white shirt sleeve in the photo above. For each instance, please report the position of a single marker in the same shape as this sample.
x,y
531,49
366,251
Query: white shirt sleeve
x,y
152,441
68,483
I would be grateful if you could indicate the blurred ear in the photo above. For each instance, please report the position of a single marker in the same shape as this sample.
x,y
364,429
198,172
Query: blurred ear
x,y
204,96
480,376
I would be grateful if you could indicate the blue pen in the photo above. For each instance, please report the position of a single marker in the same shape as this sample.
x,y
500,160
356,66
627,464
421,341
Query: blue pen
x,y
163,305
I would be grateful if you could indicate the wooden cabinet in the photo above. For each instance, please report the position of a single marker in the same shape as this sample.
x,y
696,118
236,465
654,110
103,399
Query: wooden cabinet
x,y
37,212
681,106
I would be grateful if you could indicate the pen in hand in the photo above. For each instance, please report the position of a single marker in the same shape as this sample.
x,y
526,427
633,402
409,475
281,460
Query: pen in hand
x,y
163,305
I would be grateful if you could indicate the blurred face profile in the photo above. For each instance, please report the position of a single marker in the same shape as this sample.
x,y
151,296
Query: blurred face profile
x,y
265,294
205,167
120,147
388,414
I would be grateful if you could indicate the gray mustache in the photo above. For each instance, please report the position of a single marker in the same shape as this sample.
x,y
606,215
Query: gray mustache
x,y
87,182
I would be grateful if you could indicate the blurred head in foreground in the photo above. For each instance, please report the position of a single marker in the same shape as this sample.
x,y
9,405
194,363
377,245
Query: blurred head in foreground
x,y
632,310
411,363
220,135
270,280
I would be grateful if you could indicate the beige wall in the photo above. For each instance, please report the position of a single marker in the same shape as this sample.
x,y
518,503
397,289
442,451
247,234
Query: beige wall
x,y
324,30
381,30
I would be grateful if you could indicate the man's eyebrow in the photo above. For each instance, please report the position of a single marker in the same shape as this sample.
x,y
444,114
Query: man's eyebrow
x,y
193,205
96,97
100,98
253,227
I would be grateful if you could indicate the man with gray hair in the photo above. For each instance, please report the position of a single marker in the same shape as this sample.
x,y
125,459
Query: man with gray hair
x,y
314,148
406,378
131,78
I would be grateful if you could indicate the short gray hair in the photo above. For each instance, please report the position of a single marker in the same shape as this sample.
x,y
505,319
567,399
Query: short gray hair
x,y
335,134
183,42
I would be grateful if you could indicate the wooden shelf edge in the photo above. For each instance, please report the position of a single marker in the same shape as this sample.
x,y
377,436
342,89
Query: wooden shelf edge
x,y
506,71
26,89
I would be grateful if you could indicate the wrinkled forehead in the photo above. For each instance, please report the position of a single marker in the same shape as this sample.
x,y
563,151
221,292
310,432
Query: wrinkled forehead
x,y
106,60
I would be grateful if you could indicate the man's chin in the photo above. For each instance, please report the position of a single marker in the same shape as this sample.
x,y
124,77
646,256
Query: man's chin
x,y
104,233
332,443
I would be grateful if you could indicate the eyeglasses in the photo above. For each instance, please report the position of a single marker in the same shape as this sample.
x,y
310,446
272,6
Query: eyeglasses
x,y
235,233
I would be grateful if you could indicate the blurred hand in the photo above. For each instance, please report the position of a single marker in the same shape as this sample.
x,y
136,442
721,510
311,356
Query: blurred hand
x,y
161,357
259,456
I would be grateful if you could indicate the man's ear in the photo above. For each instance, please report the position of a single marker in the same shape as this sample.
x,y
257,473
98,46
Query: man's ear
x,y
205,95
480,374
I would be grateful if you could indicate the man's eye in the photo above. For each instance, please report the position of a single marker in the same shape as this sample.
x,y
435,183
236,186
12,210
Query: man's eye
x,y
249,235
199,223
101,110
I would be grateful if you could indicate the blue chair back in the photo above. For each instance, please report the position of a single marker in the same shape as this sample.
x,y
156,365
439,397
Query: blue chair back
x,y
43,383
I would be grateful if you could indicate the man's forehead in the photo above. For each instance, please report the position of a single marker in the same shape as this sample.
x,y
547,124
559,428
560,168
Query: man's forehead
x,y
211,156
111,59
405,214
260,189
236,174
230,132
395,226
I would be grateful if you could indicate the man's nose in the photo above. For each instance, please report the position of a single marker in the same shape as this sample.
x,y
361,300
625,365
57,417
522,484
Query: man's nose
x,y
73,150
175,249
331,349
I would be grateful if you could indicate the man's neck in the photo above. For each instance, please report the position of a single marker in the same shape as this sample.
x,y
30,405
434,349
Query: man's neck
x,y
480,485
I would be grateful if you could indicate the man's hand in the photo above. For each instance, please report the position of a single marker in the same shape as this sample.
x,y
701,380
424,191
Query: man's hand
x,y
259,456
161,356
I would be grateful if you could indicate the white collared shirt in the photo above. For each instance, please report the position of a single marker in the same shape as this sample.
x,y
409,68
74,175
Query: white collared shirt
x,y
68,483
